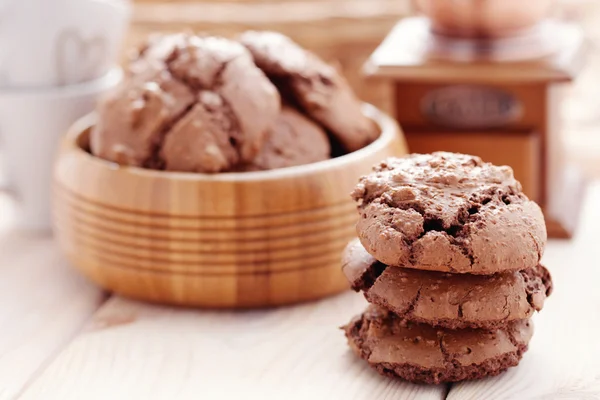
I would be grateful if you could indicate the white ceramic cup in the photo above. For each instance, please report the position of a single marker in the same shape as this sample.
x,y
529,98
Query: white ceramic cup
x,y
31,125
46,43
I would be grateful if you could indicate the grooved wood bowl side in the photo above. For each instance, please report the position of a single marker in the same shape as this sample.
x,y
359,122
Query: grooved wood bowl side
x,y
227,240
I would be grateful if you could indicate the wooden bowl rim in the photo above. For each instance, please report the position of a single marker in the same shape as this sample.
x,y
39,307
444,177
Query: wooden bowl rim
x,y
388,127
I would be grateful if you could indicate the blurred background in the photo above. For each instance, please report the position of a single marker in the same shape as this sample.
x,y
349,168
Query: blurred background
x,y
84,44
347,31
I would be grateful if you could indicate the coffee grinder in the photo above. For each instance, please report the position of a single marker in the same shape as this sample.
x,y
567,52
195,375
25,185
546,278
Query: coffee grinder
x,y
487,77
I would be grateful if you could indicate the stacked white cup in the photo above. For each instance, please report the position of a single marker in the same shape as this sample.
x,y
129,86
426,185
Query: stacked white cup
x,y
56,58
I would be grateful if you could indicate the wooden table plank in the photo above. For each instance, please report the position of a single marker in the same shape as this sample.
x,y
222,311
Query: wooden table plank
x,y
563,361
133,350
43,304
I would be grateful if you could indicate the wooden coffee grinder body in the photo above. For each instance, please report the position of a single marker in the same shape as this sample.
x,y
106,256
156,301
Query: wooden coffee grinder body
x,y
508,112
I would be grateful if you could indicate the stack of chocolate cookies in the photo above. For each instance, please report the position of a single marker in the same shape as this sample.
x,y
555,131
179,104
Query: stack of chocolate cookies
x,y
448,256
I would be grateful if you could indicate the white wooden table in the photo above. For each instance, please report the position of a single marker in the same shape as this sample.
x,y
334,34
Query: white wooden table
x,y
62,338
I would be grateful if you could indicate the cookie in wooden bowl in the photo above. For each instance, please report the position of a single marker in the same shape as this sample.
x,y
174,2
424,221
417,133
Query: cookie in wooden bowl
x,y
195,186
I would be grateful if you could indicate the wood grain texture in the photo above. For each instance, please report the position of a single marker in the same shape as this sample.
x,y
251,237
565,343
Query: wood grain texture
x,y
222,240
136,351
43,304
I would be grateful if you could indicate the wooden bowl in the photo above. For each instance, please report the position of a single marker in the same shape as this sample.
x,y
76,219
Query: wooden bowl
x,y
225,240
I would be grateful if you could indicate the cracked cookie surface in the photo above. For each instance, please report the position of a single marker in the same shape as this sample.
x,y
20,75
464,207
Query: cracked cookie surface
x,y
293,140
423,354
211,127
448,212
453,301
133,118
312,84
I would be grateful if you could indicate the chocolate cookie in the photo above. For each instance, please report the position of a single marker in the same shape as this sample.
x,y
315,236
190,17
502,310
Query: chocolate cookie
x,y
422,354
133,118
448,212
228,107
317,87
293,140
447,300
